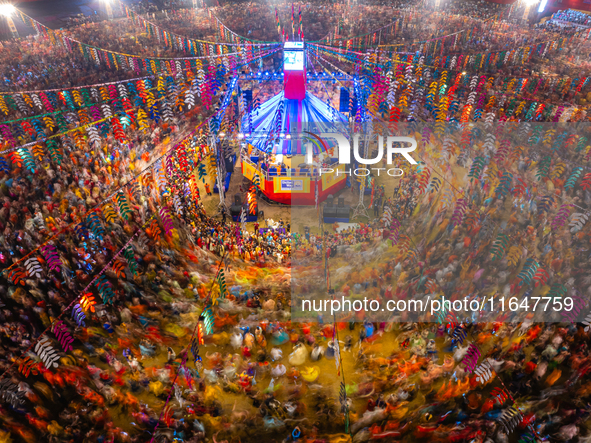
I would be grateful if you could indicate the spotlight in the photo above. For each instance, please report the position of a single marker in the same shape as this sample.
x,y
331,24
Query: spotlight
x,y
222,134
7,9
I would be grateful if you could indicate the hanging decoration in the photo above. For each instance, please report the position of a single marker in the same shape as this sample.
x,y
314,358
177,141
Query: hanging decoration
x,y
251,199
138,64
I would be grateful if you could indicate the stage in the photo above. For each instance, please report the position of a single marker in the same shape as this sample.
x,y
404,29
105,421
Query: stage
x,y
295,186
282,153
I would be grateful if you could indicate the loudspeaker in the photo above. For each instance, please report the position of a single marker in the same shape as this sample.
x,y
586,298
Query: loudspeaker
x,y
343,212
229,164
330,212
237,199
344,100
235,210
329,201
341,202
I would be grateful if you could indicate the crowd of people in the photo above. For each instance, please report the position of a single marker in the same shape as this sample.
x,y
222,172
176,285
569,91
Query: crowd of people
x,y
573,16
80,19
201,335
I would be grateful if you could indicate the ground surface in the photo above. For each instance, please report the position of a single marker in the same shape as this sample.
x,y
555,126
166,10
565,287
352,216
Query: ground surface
x,y
299,216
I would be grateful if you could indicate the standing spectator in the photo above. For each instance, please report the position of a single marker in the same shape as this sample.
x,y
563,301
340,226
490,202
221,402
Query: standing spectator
x,y
377,206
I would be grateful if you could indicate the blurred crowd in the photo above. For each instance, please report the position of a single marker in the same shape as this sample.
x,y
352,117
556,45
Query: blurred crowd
x,y
572,15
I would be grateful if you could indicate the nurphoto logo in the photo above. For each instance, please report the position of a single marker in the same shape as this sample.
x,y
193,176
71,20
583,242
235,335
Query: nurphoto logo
x,y
394,145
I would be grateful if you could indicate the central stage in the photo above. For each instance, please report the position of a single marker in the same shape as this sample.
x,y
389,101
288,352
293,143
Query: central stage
x,y
282,153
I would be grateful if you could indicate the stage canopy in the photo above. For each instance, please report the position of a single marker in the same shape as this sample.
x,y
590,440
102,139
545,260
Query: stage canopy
x,y
274,126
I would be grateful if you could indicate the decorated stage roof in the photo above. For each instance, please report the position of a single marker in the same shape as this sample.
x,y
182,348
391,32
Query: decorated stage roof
x,y
270,124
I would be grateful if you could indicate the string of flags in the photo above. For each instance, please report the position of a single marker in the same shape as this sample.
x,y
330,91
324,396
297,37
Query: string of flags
x,y
390,92
191,45
150,65
197,338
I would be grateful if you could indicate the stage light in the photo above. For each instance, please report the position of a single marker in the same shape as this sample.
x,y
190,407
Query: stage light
x,y
222,134
288,136
542,5
7,9
530,2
